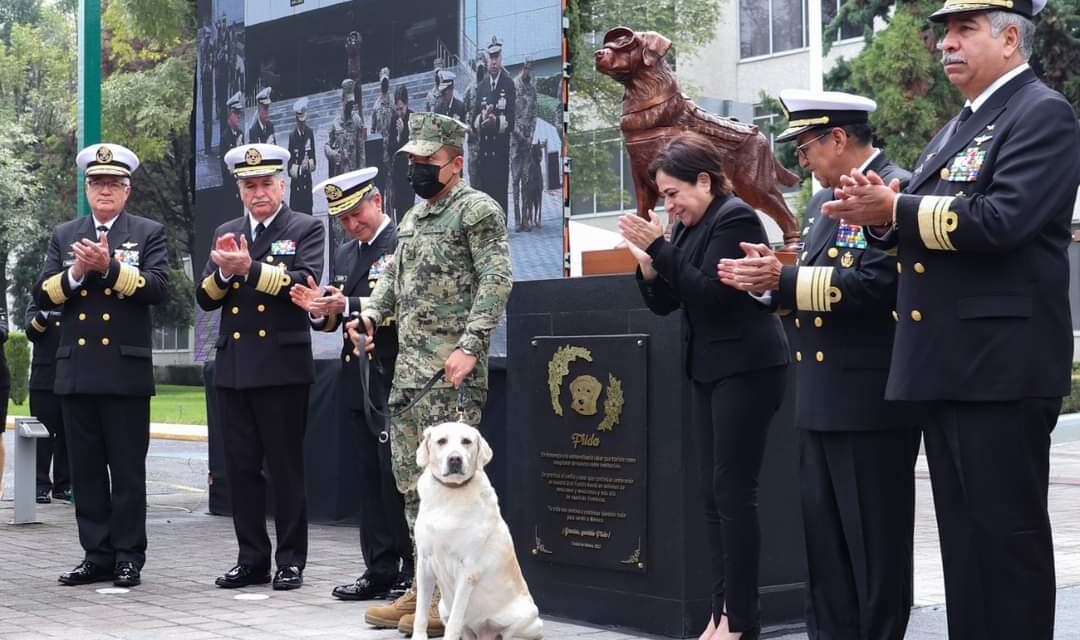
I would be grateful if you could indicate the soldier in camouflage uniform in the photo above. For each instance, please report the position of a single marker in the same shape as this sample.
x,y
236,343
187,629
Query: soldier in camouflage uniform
x,y
382,120
521,142
472,138
447,286
344,147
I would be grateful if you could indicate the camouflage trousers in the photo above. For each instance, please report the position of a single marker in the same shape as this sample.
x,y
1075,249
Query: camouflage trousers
x,y
437,406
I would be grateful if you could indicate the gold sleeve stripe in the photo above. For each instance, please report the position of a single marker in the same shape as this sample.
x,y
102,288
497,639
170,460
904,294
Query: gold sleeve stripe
x,y
210,286
37,325
936,222
813,289
128,280
55,288
272,279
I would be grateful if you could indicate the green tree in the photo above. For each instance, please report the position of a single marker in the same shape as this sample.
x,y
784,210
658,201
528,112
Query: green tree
x,y
595,99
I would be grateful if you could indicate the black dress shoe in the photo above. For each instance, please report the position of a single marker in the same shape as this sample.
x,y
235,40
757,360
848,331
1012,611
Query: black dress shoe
x,y
86,573
126,574
64,495
43,497
363,589
242,575
288,578
399,588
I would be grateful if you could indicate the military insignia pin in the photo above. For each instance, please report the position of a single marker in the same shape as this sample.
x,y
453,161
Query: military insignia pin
x,y
847,260
253,157
104,154
129,245
982,139
333,193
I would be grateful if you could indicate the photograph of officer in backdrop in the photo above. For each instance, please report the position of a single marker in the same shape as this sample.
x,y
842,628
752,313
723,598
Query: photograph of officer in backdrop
x,y
301,159
364,382
494,121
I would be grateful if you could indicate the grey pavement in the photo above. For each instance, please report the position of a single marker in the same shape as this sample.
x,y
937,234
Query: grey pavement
x,y
188,548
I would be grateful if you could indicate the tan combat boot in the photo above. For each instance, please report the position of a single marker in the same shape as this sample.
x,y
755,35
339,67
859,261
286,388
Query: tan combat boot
x,y
435,628
388,616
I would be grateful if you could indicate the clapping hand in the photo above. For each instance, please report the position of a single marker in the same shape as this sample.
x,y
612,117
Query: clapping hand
x,y
757,272
863,199
91,256
232,258
331,303
302,295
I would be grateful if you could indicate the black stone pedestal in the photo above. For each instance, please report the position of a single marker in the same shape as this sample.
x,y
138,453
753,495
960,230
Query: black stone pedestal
x,y
668,594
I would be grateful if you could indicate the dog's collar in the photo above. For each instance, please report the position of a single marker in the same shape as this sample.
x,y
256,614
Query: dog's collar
x,y
453,486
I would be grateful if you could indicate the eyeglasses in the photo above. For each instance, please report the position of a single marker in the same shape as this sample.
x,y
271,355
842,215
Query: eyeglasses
x,y
106,184
800,151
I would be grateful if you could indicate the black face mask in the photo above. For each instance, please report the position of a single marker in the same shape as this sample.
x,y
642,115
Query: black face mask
x,y
424,179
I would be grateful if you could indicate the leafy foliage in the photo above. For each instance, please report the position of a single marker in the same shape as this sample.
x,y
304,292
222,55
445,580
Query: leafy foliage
x,y
17,351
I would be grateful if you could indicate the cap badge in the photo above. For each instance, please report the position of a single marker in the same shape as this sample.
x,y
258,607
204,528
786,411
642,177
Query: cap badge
x,y
253,157
333,192
104,154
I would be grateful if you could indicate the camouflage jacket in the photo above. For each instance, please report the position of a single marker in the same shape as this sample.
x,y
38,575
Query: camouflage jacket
x,y
447,285
344,147
382,118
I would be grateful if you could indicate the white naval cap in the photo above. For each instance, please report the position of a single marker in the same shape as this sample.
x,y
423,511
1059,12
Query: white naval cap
x,y
264,96
107,159
300,109
236,102
343,192
384,73
1026,8
806,110
256,160
446,80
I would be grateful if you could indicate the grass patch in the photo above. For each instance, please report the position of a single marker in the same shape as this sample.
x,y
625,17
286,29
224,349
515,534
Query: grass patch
x,y
173,404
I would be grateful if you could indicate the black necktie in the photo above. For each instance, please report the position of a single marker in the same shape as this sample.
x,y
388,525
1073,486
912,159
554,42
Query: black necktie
x,y
363,246
960,119
102,228
259,228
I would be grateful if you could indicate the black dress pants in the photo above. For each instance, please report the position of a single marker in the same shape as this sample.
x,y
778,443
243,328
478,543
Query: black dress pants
x,y
107,440
858,505
384,535
52,451
990,468
729,423
266,423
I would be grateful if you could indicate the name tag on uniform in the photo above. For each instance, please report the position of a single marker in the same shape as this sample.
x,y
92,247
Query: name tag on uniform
x,y
127,256
850,236
283,247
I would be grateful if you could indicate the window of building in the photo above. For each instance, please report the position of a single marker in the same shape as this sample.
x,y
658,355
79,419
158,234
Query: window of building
x,y
171,339
611,175
773,26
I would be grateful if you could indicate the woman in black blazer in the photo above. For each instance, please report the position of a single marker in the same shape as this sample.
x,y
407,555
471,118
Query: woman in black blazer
x,y
736,358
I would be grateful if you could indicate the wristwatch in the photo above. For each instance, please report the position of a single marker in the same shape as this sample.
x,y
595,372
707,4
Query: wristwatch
x,y
466,351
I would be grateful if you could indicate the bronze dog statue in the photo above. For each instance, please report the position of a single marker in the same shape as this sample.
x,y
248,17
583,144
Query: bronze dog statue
x,y
654,110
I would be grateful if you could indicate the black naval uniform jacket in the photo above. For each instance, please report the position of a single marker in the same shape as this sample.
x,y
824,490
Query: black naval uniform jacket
x,y
495,139
355,272
43,330
264,339
259,133
983,232
726,332
105,333
843,292
301,147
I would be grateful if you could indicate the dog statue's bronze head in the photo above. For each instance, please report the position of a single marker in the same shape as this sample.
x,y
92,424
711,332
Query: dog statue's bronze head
x,y
625,51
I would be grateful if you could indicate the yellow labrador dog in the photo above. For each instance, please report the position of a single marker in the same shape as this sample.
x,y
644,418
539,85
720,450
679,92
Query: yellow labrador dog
x,y
464,546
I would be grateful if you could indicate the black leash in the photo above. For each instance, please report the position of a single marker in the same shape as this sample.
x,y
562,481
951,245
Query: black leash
x,y
369,406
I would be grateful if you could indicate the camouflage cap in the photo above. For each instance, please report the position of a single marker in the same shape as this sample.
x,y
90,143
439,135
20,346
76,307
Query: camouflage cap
x,y
429,132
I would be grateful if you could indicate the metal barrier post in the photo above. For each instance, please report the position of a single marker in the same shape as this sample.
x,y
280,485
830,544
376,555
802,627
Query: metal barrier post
x,y
27,431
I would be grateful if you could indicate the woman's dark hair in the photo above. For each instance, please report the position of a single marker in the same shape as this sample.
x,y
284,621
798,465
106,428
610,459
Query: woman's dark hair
x,y
688,154
401,94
